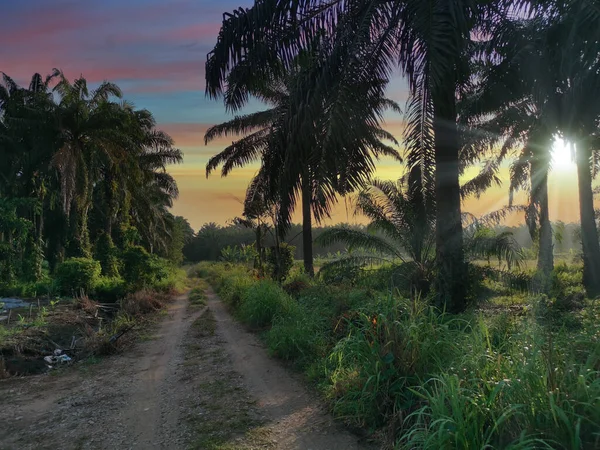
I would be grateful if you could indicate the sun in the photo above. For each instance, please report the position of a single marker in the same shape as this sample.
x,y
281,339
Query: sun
x,y
562,155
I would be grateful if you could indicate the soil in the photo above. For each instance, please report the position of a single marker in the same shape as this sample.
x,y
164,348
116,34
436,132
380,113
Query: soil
x,y
200,381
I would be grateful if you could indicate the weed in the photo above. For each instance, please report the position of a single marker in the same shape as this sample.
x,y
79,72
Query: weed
x,y
262,301
197,296
206,324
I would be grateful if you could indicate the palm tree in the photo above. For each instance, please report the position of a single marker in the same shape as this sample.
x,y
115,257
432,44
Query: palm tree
x,y
574,37
88,122
428,39
298,140
28,135
397,235
508,109
531,105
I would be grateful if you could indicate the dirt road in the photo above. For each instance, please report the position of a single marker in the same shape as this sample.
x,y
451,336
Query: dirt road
x,y
200,382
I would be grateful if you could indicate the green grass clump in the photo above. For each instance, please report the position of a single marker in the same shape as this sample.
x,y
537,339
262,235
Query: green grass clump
x,y
534,390
198,296
262,301
295,337
387,347
233,289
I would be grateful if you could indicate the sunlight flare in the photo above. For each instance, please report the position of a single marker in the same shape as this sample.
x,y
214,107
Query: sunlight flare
x,y
562,155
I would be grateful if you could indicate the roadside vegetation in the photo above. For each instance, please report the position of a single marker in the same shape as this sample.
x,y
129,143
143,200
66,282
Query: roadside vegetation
x,y
88,247
520,370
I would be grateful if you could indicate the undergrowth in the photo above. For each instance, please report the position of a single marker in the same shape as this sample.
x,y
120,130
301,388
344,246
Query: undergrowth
x,y
422,379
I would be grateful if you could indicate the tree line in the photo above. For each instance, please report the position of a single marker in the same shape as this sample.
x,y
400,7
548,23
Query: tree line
x,y
83,175
208,243
489,82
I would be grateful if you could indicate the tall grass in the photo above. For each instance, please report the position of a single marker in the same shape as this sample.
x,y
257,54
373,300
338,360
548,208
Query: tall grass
x,y
431,380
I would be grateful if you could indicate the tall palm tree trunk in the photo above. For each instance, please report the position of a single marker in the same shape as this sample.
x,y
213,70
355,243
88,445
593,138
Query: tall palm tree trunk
x,y
589,232
539,186
307,246
451,268
79,245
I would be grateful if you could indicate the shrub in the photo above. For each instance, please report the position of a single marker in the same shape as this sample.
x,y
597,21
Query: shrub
x,y
262,301
76,275
280,261
109,290
143,270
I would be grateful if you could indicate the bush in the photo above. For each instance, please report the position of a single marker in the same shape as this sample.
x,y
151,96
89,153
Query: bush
x,y
262,301
109,290
280,261
143,270
76,275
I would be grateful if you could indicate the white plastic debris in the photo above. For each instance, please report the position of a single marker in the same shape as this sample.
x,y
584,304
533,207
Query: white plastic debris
x,y
58,359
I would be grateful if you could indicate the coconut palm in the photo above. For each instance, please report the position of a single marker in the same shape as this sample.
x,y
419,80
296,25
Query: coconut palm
x,y
396,235
298,143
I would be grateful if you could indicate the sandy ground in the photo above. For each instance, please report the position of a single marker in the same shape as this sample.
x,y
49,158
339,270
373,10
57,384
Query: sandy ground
x,y
200,382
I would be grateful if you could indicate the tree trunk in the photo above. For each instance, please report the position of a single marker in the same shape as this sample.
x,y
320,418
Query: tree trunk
x,y
539,186
110,203
451,267
307,245
259,250
79,245
589,232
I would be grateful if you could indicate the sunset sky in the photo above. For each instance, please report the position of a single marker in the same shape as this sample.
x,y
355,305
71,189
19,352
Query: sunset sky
x,y
155,51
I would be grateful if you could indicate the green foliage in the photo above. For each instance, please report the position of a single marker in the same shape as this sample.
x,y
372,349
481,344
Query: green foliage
x,y
141,269
261,302
80,167
181,234
388,347
295,337
241,254
280,261
197,296
109,289
438,381
15,234
106,253
75,275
